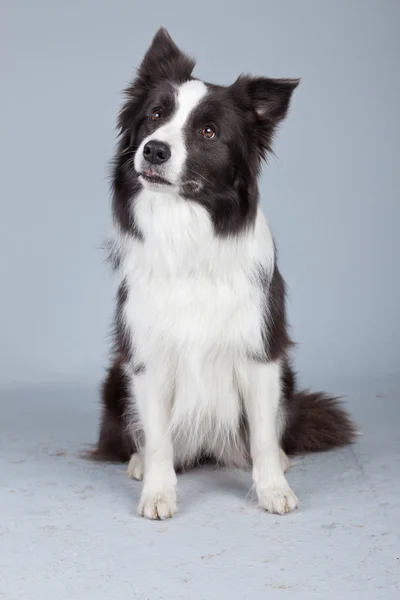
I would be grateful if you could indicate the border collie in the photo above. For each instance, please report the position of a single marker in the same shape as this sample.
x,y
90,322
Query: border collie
x,y
201,364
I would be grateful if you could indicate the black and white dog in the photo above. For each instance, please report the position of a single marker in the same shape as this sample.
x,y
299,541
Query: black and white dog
x,y
201,368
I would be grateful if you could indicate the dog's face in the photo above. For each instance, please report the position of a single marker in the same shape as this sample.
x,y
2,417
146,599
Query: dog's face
x,y
186,138
201,141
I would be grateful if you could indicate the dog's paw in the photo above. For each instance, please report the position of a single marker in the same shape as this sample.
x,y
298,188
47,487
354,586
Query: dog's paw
x,y
278,500
285,462
158,503
135,467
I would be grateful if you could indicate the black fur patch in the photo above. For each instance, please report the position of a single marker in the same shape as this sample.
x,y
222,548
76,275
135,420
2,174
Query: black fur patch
x,y
124,345
115,444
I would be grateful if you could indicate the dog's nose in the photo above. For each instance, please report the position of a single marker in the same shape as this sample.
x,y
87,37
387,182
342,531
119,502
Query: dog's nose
x,y
156,152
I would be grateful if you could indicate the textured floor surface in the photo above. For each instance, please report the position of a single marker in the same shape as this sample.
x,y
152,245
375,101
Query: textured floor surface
x,y
68,528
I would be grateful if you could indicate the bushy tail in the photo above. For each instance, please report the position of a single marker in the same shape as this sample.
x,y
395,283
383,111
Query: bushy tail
x,y
316,422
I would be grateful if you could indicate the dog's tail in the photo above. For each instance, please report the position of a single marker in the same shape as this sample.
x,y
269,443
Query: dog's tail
x,y
316,422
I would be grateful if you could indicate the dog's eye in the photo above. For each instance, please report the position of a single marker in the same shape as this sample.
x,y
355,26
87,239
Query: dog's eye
x,y
208,132
156,114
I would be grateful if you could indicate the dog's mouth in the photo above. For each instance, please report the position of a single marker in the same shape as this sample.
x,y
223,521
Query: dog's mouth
x,y
152,177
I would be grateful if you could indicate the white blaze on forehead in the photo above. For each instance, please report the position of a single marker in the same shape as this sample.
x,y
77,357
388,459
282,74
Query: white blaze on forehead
x,y
188,96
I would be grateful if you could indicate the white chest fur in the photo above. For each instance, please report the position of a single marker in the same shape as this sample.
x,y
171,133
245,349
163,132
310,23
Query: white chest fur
x,y
194,304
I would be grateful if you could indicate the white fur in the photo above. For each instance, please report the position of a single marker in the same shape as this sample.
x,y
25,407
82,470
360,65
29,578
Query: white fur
x,y
188,95
285,461
195,316
135,467
262,393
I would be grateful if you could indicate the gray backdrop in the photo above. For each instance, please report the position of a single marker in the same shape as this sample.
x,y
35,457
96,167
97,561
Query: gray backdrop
x,y
332,193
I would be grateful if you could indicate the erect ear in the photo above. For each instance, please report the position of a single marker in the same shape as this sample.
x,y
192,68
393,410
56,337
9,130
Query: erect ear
x,y
269,99
164,59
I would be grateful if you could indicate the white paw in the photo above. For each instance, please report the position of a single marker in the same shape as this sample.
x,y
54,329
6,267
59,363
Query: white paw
x,y
135,467
285,462
158,504
279,500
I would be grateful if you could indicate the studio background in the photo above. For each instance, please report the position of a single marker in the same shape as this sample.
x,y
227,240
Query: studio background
x,y
331,194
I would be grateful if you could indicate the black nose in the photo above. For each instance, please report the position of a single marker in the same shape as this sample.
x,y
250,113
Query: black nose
x,y
156,152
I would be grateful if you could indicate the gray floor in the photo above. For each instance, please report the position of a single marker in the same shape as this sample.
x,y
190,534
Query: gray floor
x,y
68,529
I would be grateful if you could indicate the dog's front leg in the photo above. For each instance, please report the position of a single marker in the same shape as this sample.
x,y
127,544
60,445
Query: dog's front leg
x,y
262,395
153,395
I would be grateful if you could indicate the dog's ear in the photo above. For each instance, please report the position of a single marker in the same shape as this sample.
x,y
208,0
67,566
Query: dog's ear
x,y
268,98
271,97
267,103
164,59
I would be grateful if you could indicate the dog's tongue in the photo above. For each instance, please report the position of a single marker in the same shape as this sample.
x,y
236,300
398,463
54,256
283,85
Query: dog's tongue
x,y
150,173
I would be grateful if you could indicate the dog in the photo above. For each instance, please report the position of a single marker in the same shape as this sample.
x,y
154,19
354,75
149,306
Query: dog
x,y
201,365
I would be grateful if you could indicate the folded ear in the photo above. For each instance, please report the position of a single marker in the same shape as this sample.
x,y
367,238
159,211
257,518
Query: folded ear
x,y
269,99
164,59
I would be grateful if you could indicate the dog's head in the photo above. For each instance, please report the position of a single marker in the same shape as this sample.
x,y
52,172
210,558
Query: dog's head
x,y
204,142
